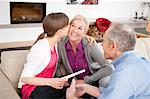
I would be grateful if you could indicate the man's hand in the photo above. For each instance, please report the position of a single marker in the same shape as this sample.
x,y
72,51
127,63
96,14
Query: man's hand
x,y
70,93
79,92
80,89
80,82
86,88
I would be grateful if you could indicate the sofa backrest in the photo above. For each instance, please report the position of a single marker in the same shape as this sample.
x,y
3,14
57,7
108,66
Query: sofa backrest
x,y
12,61
143,47
12,64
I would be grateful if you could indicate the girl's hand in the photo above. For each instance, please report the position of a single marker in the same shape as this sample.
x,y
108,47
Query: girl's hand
x,y
67,84
90,39
57,83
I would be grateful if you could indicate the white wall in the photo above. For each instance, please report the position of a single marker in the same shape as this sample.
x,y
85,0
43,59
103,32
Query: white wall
x,y
112,9
105,8
4,12
19,34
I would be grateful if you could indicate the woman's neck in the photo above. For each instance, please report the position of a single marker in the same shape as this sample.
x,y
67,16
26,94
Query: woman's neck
x,y
74,45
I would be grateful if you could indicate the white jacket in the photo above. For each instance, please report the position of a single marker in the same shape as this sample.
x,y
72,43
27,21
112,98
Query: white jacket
x,y
37,59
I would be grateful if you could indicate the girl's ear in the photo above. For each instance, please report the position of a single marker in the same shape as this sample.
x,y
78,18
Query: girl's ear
x,y
59,32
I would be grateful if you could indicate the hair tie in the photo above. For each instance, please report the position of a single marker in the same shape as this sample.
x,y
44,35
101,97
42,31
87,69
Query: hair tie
x,y
45,34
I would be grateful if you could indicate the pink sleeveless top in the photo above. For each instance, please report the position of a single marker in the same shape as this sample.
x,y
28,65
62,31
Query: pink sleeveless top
x,y
27,89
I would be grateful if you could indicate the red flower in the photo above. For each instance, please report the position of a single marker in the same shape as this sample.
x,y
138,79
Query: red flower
x,y
102,24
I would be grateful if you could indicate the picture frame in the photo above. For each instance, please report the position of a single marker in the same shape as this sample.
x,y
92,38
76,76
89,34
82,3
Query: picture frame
x,y
82,2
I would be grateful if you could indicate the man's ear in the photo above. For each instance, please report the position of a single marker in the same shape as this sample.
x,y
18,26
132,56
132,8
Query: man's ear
x,y
114,45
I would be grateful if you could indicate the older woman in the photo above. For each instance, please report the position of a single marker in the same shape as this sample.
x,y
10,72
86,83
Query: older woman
x,y
75,53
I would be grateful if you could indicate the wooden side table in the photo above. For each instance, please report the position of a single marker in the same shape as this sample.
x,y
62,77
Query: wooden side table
x,y
141,35
142,32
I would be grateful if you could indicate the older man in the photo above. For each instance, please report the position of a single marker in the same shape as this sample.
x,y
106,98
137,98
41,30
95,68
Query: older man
x,y
130,79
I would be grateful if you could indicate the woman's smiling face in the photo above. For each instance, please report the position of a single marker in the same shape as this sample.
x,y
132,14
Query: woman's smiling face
x,y
77,30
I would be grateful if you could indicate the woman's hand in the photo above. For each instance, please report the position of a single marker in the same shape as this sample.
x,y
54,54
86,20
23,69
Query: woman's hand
x,y
90,39
57,83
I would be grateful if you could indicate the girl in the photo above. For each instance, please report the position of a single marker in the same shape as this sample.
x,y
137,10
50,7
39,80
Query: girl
x,y
37,77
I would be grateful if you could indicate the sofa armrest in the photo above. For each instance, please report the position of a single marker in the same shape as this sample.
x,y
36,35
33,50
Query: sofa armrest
x,y
6,89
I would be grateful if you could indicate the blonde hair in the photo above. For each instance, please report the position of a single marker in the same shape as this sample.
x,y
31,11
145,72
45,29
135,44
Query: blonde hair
x,y
83,19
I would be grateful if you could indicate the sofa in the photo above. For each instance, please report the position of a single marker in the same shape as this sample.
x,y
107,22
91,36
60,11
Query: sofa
x,y
12,64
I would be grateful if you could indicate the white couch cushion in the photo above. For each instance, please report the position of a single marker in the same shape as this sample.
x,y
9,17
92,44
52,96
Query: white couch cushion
x,y
12,64
6,89
147,46
141,49
100,47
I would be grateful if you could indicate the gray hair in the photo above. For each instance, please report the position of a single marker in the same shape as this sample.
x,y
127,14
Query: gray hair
x,y
123,35
83,19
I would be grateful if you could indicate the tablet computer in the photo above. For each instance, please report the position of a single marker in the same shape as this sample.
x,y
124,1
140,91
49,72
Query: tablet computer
x,y
74,74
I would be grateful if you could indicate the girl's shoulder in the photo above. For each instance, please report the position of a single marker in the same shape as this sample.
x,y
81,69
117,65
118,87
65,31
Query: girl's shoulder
x,y
43,43
40,46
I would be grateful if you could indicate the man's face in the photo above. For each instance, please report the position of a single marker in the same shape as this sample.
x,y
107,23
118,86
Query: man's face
x,y
107,46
